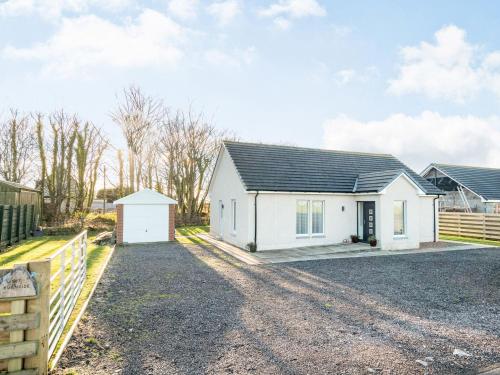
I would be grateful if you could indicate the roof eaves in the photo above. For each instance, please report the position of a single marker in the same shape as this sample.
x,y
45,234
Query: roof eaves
x,y
436,166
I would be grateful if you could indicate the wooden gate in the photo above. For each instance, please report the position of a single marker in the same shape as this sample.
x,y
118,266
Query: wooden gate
x,y
24,325
30,327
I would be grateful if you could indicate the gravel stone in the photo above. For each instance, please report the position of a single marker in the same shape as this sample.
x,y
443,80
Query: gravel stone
x,y
192,309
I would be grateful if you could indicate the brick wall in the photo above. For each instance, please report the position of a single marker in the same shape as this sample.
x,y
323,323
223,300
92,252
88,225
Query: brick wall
x,y
171,222
119,223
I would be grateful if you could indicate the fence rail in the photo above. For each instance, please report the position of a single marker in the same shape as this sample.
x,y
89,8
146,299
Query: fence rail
x,y
66,284
475,225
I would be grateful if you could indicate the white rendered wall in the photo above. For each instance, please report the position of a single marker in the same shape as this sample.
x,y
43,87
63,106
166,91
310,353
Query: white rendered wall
x,y
277,220
226,185
400,189
427,215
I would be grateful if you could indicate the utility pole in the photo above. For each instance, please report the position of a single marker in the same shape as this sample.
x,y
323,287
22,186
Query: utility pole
x,y
104,196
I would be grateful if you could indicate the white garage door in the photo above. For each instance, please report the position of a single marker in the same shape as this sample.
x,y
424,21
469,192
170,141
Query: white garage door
x,y
145,223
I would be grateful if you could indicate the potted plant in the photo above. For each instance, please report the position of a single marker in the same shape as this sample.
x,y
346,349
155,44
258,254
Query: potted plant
x,y
252,247
354,238
372,240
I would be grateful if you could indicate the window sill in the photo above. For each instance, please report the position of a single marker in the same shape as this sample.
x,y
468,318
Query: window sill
x,y
318,235
302,236
400,237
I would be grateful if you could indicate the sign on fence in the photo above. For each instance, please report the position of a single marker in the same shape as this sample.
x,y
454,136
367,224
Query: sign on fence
x,y
31,318
24,320
18,282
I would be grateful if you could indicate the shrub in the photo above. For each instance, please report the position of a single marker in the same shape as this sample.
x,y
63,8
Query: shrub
x,y
252,247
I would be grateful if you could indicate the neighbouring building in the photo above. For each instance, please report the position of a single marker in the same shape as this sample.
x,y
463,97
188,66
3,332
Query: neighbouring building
x,y
467,188
284,197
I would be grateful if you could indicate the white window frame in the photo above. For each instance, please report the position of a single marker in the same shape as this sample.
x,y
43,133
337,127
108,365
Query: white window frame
x,y
405,222
233,216
309,233
322,233
302,235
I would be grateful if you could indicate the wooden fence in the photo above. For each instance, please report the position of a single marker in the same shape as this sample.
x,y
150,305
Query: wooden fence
x,y
17,222
483,226
24,326
30,327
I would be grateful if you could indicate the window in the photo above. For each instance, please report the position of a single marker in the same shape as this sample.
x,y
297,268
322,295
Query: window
x,y
317,217
399,218
233,215
310,216
302,217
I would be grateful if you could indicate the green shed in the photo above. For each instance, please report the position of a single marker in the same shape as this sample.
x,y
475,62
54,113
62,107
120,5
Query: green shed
x,y
20,208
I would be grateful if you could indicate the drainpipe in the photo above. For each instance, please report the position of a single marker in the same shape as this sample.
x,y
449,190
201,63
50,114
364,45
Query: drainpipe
x,y
255,221
434,206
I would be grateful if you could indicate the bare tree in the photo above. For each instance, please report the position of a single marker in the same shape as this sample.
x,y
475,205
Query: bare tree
x,y
89,148
121,171
17,147
56,157
136,116
189,147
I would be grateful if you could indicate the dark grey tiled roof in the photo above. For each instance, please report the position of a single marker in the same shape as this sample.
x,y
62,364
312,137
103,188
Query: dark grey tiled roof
x,y
295,169
482,181
377,181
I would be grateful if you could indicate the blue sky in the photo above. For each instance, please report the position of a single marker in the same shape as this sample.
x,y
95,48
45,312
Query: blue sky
x,y
420,80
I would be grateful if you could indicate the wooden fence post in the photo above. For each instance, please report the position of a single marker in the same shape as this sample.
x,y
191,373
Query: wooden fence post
x,y
42,306
9,224
25,222
18,223
1,224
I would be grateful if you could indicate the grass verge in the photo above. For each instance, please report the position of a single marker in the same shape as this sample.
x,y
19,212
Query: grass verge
x,y
43,247
469,239
192,230
187,234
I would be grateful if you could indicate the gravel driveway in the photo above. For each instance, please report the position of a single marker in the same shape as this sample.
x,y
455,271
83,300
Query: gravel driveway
x,y
190,309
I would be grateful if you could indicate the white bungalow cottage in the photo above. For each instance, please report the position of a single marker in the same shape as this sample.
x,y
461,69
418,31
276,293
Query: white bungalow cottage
x,y
282,197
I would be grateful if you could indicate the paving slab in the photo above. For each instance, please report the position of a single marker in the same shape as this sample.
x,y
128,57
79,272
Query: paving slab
x,y
337,251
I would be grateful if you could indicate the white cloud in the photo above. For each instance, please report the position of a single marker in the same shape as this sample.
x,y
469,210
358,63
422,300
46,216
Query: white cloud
x,y
282,23
346,76
451,68
88,42
284,10
420,140
53,9
224,11
183,9
294,9
235,59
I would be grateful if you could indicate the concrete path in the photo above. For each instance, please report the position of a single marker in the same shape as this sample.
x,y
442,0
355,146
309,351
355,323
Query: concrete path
x,y
340,251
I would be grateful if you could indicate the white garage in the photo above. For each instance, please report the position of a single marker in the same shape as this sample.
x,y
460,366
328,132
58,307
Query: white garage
x,y
145,216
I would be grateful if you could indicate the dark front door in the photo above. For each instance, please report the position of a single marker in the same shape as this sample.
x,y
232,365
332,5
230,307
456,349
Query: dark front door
x,y
368,220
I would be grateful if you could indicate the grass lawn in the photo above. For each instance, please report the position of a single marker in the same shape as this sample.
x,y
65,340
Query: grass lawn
x,y
469,239
191,230
43,247
187,234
